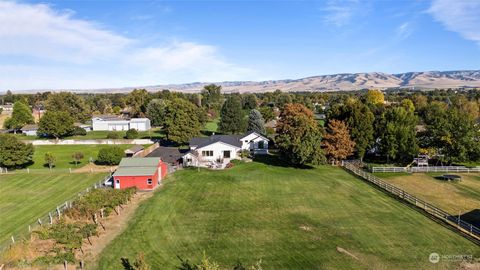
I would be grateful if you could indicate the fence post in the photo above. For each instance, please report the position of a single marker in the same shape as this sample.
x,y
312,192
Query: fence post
x,y
29,228
59,213
50,216
65,265
40,222
13,240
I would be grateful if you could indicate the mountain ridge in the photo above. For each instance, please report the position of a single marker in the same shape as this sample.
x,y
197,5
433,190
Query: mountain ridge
x,y
326,83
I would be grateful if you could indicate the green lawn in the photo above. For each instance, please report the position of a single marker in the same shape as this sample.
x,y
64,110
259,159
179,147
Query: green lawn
x,y
63,154
289,218
26,197
212,125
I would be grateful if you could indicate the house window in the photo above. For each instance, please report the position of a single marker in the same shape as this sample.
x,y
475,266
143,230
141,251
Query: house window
x,y
149,181
189,160
261,144
226,154
246,141
208,153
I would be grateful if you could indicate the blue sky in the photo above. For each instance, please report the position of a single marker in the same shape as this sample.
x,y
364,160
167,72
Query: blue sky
x,y
101,44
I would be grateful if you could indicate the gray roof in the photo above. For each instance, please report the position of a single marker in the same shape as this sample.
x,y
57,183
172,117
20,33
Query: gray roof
x,y
139,162
168,154
135,149
29,128
228,139
135,171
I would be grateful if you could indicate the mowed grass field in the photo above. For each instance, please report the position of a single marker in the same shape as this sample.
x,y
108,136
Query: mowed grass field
x,y
26,197
63,154
454,197
288,218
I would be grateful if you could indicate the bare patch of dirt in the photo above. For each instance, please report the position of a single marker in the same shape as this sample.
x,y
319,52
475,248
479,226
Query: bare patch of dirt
x,y
306,228
346,252
94,168
469,266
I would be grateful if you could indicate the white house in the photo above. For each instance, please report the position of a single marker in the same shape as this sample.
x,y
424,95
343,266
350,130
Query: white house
x,y
114,123
29,130
216,151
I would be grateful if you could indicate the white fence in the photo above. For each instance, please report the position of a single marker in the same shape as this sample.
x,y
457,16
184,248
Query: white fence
x,y
458,169
85,142
453,220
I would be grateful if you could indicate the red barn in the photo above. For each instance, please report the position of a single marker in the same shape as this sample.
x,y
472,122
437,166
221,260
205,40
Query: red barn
x,y
143,173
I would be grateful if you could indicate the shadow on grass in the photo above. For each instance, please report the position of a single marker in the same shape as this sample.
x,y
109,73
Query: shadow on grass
x,y
472,217
275,160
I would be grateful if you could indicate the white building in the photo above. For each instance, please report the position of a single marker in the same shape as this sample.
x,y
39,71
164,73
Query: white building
x,y
216,151
113,123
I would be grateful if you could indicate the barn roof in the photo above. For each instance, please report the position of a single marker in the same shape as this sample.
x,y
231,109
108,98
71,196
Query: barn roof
x,y
168,154
135,171
139,162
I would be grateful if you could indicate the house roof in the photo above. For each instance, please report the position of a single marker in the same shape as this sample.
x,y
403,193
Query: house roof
x,y
135,171
253,132
168,154
233,140
135,149
29,128
139,120
139,162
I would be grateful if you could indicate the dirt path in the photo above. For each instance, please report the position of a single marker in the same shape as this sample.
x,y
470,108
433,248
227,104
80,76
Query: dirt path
x,y
114,226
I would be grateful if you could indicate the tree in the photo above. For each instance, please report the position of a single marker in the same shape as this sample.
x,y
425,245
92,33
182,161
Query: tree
x,y
56,124
249,102
256,122
68,102
21,116
232,120
375,97
267,113
398,134
337,142
13,152
113,135
137,100
131,134
181,121
282,99
407,104
50,160
359,120
156,111
110,155
299,136
77,156
212,96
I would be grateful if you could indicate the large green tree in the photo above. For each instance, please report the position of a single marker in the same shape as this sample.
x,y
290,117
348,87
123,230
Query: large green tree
x,y
452,132
68,102
137,101
212,96
181,121
156,111
398,140
232,119
256,122
21,116
13,152
299,136
249,101
56,124
359,120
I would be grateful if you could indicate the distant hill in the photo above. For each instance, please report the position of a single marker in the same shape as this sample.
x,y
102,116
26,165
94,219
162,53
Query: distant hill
x,y
335,82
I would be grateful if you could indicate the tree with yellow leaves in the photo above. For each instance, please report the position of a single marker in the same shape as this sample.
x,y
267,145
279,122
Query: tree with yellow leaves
x,y
337,142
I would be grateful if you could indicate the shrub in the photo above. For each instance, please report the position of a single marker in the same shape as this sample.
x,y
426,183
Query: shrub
x,y
131,134
110,155
113,135
78,131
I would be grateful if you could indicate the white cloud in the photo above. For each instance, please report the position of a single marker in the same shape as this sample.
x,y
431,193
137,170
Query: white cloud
x,y
461,16
47,48
404,30
341,12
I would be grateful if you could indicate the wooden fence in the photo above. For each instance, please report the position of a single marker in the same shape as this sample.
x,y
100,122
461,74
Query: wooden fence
x,y
455,221
458,169
50,217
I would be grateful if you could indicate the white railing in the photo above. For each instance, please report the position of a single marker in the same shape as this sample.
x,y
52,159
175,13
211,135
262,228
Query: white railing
x,y
459,169
453,220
